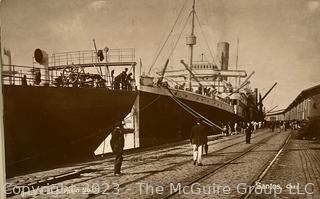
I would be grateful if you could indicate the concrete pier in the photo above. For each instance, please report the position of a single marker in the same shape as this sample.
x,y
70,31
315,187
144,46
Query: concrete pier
x,y
230,170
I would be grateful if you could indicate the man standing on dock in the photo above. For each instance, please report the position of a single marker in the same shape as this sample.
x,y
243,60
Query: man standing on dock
x,y
117,144
198,139
248,130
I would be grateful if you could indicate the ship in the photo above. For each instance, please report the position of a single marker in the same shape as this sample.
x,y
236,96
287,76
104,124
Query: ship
x,y
61,108
171,101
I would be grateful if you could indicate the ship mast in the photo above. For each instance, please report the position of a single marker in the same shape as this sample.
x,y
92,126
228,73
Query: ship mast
x,y
191,40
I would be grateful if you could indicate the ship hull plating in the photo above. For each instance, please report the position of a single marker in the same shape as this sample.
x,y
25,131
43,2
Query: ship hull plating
x,y
162,120
48,125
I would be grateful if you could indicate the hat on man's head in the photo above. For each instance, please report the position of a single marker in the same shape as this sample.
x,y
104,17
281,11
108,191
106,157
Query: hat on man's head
x,y
119,123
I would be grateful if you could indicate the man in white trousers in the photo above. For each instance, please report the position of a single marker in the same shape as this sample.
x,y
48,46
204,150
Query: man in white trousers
x,y
198,139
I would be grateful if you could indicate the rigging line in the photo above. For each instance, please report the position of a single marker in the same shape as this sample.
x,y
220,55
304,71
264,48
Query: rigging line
x,y
149,104
185,17
193,112
186,109
185,24
183,7
177,83
172,44
143,108
205,39
174,36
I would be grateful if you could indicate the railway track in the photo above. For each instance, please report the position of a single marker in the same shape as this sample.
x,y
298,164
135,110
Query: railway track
x,y
210,171
178,165
78,170
75,173
258,178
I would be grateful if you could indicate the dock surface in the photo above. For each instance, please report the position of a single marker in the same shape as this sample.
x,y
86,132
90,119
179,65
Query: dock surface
x,y
274,165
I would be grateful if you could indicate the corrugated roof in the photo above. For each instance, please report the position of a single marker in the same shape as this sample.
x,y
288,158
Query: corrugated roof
x,y
303,95
277,112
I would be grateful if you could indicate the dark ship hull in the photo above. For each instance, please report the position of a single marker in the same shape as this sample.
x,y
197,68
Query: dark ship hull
x,y
51,125
163,120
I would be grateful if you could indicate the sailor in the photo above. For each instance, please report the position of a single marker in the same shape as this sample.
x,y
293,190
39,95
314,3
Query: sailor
x,y
199,91
198,139
117,144
181,87
124,78
248,130
112,77
129,80
117,81
37,77
100,82
24,80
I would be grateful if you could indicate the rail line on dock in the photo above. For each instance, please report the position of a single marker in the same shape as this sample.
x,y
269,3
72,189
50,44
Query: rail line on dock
x,y
165,169
265,169
209,172
76,172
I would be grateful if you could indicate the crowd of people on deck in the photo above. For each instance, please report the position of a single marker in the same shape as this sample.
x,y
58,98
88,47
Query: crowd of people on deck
x,y
122,81
207,91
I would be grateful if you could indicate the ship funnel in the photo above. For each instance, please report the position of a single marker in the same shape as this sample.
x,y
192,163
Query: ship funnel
x,y
41,57
223,55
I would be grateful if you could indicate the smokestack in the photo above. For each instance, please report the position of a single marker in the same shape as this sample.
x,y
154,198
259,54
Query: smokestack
x,y
223,55
41,57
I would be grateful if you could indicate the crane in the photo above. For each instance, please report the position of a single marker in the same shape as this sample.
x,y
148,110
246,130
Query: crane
x,y
163,72
261,100
260,104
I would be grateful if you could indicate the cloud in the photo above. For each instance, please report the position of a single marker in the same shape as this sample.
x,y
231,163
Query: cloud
x,y
313,6
97,5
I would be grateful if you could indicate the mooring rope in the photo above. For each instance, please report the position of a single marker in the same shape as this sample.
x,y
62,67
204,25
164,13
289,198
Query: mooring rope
x,y
192,111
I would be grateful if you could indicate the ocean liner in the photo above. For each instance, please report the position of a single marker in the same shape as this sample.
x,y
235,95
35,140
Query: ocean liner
x,y
171,102
60,109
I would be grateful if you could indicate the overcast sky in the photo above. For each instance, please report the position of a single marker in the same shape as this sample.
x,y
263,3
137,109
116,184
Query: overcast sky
x,y
279,39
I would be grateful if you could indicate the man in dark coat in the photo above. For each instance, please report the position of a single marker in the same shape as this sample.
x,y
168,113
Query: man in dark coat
x,y
273,126
198,139
117,144
248,130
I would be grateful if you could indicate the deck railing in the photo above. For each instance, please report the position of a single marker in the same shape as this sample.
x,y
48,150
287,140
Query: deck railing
x,y
90,56
34,76
85,62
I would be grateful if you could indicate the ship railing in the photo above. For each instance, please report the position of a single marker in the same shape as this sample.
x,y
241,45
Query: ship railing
x,y
225,101
149,81
90,56
29,76
210,94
